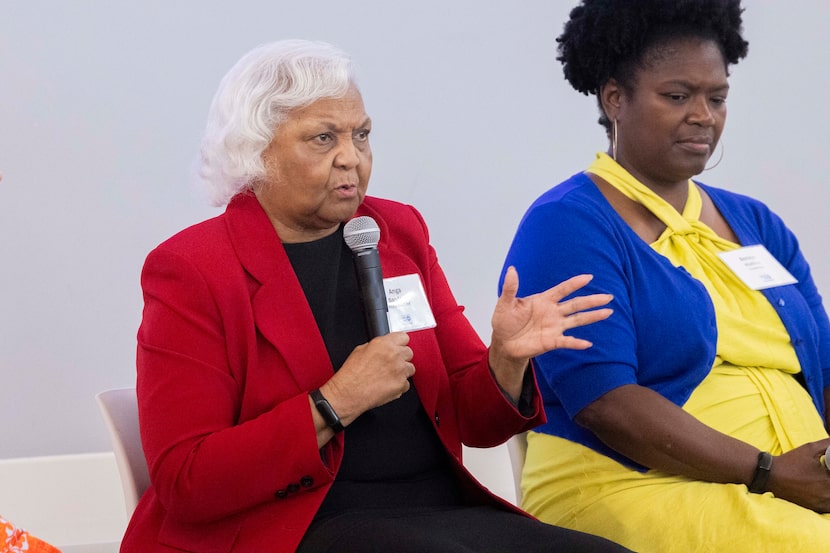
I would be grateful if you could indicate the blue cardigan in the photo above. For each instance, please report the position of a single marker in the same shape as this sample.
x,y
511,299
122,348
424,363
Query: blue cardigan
x,y
663,333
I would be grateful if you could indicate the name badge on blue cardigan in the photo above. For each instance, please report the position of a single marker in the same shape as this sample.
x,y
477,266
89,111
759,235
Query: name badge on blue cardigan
x,y
757,268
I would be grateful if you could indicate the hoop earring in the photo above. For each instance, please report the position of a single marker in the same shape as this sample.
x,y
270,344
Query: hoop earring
x,y
614,141
720,158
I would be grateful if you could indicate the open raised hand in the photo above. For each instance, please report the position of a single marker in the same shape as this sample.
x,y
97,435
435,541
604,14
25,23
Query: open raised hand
x,y
530,326
525,327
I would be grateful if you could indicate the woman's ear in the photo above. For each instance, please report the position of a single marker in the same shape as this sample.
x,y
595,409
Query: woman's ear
x,y
610,97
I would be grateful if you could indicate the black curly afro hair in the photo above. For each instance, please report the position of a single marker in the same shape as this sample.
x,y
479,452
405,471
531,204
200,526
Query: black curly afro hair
x,y
606,39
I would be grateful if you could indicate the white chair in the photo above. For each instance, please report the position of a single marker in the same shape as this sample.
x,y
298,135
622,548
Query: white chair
x,y
120,410
66,500
517,448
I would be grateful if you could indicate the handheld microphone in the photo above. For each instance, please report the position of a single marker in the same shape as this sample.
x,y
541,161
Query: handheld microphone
x,y
362,236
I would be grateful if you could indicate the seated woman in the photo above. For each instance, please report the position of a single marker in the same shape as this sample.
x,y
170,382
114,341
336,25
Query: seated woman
x,y
272,421
698,420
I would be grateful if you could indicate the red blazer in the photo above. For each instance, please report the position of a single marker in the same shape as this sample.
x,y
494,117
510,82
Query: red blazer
x,y
228,350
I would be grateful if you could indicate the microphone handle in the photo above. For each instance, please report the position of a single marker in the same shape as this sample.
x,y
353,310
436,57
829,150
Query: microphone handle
x,y
370,279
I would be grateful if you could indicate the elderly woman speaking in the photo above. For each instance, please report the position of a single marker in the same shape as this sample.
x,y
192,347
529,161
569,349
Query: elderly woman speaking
x,y
271,418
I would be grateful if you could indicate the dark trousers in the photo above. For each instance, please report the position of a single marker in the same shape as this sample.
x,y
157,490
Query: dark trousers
x,y
450,530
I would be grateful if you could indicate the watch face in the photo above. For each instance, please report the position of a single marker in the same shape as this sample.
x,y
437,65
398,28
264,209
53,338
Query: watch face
x,y
326,411
762,469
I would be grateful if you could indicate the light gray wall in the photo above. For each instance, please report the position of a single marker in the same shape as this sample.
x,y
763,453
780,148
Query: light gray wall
x,y
102,104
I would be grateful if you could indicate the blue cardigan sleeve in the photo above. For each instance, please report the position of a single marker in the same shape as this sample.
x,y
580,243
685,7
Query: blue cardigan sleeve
x,y
662,334
555,241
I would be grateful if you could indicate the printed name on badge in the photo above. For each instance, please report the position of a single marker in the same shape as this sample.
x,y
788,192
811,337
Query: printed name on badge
x,y
408,306
757,268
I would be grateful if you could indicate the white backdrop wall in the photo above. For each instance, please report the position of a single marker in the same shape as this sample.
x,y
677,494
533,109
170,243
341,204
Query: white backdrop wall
x,y
102,105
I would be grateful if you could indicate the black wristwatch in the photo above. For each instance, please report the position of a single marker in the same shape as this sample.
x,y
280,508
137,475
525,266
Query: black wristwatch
x,y
759,479
326,411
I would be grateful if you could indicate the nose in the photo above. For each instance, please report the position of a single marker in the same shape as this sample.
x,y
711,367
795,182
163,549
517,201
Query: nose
x,y
347,156
700,113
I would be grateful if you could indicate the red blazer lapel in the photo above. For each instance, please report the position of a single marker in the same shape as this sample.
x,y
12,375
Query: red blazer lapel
x,y
396,250
280,310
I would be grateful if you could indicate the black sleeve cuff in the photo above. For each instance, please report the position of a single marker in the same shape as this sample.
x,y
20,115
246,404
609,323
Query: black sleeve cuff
x,y
525,404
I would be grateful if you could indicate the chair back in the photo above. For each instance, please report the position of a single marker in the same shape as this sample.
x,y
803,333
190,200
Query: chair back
x,y
119,408
517,448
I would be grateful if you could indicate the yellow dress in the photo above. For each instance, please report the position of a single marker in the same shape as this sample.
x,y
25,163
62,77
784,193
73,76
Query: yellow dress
x,y
750,394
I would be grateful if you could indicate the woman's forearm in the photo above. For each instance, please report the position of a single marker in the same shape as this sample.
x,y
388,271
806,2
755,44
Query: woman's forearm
x,y
649,429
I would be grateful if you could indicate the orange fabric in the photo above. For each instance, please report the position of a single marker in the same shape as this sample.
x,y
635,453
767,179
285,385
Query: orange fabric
x,y
17,540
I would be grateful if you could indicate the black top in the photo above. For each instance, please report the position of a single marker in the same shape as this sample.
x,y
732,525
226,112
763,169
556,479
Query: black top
x,y
392,457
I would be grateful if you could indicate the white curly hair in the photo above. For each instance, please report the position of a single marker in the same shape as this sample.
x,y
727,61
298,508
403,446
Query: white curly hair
x,y
254,97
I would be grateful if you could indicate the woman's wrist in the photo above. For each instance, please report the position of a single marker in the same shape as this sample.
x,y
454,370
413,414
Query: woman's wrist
x,y
326,411
502,363
509,373
760,477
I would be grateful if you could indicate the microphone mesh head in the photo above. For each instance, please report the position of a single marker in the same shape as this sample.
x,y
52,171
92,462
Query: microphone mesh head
x,y
361,233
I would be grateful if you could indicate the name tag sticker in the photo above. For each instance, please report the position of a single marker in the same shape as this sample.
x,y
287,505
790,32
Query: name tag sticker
x,y
757,268
408,305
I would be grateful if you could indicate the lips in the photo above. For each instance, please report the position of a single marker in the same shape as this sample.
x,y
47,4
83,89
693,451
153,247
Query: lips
x,y
697,144
707,140
346,190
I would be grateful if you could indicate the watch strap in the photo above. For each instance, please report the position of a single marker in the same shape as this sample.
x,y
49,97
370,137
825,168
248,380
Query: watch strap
x,y
762,470
326,411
